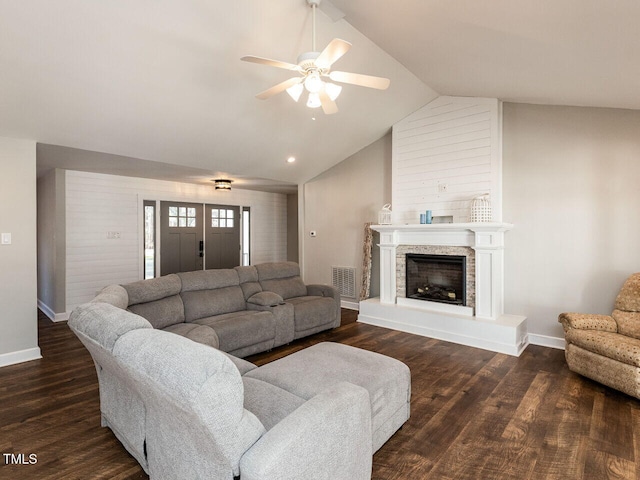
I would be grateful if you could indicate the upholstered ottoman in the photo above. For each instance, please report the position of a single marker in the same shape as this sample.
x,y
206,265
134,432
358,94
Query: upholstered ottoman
x,y
310,371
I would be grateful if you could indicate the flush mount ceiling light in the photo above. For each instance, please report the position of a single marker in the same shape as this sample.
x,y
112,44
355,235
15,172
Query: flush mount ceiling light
x,y
224,185
313,66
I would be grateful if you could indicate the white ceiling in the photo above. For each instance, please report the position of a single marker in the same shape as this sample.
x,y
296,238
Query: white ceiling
x,y
161,80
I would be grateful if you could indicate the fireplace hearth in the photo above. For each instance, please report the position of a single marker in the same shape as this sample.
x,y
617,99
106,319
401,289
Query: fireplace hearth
x,y
436,278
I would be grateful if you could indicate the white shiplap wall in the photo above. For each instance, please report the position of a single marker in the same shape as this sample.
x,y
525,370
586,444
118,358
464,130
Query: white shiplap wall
x,y
453,143
98,203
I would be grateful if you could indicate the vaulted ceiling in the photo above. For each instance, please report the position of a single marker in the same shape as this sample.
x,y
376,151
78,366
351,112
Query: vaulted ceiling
x,y
161,80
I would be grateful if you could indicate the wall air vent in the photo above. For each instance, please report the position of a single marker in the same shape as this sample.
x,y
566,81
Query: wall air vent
x,y
344,280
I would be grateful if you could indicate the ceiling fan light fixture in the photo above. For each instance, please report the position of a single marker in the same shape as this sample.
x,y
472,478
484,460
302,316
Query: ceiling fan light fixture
x,y
332,90
314,100
295,91
313,83
222,184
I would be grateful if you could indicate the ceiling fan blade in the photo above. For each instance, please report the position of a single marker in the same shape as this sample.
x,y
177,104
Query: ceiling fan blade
x,y
332,52
281,87
269,62
328,105
379,83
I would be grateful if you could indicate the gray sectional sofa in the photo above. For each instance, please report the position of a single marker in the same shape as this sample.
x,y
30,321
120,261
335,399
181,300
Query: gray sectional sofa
x,y
186,411
240,311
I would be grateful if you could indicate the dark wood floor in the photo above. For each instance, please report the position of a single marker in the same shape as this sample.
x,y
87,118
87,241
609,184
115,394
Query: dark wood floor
x,y
474,414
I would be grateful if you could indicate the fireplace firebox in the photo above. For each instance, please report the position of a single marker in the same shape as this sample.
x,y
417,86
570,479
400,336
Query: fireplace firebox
x,y
436,278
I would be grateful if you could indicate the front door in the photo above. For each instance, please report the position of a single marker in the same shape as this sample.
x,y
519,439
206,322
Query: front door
x,y
181,240
222,236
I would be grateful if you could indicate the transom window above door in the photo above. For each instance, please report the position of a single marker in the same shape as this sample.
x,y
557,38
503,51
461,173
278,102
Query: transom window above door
x,y
221,218
182,217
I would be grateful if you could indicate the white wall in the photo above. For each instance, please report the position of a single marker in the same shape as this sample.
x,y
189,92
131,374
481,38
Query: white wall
x,y
444,155
572,189
18,284
337,204
97,204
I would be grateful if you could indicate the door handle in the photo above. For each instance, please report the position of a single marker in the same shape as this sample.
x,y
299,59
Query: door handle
x,y
202,248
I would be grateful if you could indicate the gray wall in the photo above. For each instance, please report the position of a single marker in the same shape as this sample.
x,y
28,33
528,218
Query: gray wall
x,y
337,204
51,242
572,188
292,227
18,310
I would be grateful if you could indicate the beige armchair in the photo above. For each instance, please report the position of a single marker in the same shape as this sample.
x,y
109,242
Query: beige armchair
x,y
606,348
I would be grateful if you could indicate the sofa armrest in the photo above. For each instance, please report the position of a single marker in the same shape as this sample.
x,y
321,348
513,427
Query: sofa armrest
x,y
329,436
586,321
323,291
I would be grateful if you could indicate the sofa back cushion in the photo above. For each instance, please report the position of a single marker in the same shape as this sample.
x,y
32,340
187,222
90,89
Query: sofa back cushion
x,y
249,283
282,278
628,323
629,297
157,299
153,289
211,292
161,313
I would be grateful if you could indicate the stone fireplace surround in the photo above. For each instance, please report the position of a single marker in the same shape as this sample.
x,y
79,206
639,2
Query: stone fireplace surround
x,y
482,323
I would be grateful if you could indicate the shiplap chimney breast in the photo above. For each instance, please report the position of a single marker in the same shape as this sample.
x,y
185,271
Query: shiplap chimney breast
x,y
444,155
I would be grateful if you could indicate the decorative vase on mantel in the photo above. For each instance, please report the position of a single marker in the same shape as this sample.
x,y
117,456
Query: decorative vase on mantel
x,y
481,209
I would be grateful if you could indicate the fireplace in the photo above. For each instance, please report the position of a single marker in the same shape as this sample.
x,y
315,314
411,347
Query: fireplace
x,y
479,322
436,278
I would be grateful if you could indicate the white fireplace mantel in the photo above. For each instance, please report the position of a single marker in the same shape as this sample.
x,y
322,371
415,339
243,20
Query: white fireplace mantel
x,y
488,326
487,239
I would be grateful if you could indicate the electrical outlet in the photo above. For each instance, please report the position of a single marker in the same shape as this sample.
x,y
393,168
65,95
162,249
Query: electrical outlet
x,y
6,239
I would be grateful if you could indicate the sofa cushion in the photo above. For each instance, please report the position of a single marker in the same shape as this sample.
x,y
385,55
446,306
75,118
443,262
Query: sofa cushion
x,y
310,312
628,323
161,313
267,402
282,278
205,303
629,297
613,345
208,279
197,333
240,329
248,276
153,289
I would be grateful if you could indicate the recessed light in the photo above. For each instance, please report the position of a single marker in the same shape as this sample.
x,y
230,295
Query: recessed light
x,y
291,159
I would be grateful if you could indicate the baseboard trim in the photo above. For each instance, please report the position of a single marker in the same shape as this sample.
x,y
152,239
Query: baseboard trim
x,y
349,305
546,341
20,356
53,316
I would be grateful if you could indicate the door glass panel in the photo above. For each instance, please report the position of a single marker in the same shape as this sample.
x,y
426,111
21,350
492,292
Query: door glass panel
x,y
245,236
149,239
182,217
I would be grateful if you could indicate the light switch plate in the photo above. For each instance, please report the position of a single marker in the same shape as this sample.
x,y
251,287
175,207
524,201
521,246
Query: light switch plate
x,y
6,239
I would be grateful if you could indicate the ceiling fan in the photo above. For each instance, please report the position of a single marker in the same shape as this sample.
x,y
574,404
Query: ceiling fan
x,y
313,67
